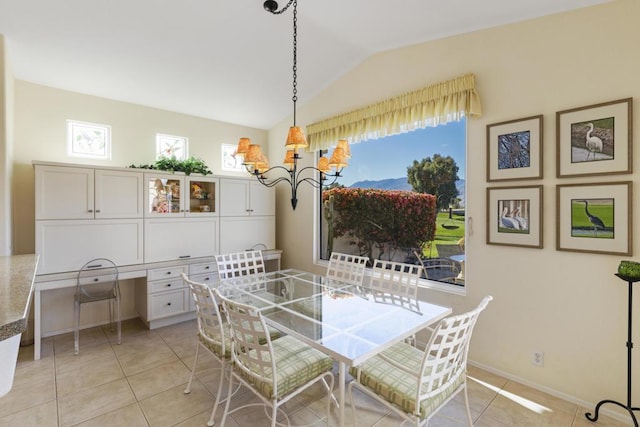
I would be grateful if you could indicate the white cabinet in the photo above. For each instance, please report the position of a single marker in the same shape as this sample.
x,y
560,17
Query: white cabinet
x,y
205,272
242,233
87,193
176,195
164,298
246,197
168,239
66,245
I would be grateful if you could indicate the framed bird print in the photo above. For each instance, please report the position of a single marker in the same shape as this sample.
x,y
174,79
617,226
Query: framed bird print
x,y
514,216
514,149
595,140
594,218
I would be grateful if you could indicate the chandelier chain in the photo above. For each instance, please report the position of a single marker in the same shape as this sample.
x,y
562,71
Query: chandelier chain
x,y
295,58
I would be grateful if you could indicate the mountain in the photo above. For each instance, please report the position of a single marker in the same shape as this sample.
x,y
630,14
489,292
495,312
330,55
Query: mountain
x,y
399,184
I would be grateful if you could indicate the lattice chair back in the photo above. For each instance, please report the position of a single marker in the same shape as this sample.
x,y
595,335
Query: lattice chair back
x,y
445,360
240,264
210,325
251,348
395,278
347,268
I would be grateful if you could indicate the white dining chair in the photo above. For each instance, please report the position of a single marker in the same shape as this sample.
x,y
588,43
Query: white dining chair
x,y
415,383
347,268
240,264
396,278
274,370
213,335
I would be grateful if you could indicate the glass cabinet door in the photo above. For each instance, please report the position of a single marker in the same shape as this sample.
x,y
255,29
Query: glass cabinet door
x,y
202,196
164,195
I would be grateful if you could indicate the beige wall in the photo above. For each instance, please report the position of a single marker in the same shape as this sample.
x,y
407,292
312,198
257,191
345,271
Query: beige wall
x,y
41,113
6,150
568,305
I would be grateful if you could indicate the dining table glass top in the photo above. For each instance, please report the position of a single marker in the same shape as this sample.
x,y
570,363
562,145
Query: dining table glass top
x,y
349,322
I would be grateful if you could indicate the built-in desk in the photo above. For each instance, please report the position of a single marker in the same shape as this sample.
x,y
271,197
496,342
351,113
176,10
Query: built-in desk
x,y
16,287
48,282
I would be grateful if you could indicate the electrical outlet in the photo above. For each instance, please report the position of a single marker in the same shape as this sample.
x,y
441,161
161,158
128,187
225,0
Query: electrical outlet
x,y
537,358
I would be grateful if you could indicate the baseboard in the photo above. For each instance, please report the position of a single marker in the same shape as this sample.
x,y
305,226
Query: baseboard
x,y
622,417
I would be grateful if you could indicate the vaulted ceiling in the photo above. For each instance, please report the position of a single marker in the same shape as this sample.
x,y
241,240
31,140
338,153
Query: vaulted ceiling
x,y
228,60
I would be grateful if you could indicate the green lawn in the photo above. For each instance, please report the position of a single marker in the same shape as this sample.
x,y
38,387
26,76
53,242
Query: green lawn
x,y
447,235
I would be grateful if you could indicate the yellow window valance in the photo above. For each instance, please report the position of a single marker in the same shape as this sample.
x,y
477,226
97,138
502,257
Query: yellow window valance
x,y
430,106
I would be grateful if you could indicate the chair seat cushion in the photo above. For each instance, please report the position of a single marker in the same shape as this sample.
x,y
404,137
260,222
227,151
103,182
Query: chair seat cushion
x,y
211,340
400,387
296,364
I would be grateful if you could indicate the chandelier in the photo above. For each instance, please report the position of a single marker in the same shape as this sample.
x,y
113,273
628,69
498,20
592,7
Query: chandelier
x,y
256,162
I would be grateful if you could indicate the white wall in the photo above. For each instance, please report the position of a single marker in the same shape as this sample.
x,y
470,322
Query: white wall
x,y
568,305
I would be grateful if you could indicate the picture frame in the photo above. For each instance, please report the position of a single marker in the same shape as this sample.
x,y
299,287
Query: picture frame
x,y
594,218
514,149
595,140
514,216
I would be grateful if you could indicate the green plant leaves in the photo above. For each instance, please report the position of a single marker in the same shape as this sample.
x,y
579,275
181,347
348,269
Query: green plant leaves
x,y
171,164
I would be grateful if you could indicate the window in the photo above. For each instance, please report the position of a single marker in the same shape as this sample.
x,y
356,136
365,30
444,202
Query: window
x,y
89,140
231,162
172,146
383,164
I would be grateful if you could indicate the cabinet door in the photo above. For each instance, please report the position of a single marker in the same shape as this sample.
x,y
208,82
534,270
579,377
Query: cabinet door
x,y
118,194
202,197
263,199
66,245
234,197
239,234
64,192
162,195
167,239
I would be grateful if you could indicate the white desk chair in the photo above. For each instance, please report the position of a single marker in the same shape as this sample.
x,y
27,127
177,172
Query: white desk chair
x,y
396,278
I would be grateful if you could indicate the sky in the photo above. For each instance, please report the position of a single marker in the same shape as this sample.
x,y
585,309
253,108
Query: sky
x,y
389,157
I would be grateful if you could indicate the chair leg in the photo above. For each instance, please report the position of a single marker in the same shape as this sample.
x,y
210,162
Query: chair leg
x,y
118,321
330,396
223,366
226,406
274,413
76,326
193,369
466,402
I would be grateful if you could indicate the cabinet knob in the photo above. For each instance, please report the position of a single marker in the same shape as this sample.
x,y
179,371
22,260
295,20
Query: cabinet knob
x,y
90,211
168,303
97,210
168,285
168,272
207,267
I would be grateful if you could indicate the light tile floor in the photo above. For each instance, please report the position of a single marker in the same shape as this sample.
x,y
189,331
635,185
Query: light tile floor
x,y
141,383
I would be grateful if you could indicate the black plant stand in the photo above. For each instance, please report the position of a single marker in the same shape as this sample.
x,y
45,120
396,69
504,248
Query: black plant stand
x,y
628,406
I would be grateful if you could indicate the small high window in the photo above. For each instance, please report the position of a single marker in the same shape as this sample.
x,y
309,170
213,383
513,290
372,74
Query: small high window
x,y
88,140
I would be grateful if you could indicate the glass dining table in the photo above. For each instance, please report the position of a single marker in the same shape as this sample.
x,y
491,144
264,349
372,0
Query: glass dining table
x,y
347,322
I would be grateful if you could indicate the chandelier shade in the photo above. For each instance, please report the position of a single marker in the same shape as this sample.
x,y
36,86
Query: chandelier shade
x,y
256,162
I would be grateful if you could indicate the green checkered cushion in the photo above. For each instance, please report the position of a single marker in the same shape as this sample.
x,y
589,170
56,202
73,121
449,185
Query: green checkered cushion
x,y
296,364
212,341
400,387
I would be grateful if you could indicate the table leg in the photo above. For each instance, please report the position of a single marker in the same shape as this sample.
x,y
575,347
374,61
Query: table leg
x,y
36,325
342,380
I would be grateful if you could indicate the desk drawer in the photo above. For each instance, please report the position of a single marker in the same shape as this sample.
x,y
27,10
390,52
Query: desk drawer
x,y
165,285
166,273
165,304
203,268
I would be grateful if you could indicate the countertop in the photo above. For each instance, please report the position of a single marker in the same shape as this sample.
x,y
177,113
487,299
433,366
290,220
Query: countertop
x,y
17,274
